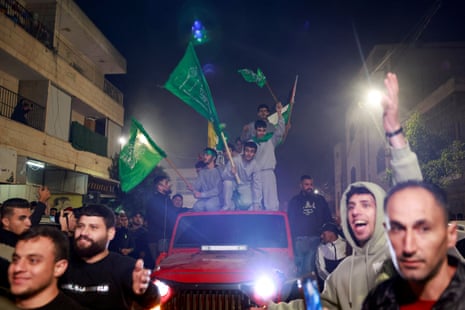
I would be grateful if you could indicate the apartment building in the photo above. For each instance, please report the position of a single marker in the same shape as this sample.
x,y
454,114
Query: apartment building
x,y
60,118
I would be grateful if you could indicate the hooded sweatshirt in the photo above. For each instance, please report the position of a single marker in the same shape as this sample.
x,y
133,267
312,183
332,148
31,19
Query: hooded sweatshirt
x,y
349,284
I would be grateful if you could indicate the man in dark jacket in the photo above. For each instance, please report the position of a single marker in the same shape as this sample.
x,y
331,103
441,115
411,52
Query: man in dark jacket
x,y
420,236
307,213
16,217
161,215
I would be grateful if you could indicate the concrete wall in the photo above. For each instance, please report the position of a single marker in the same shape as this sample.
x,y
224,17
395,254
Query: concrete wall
x,y
24,48
38,145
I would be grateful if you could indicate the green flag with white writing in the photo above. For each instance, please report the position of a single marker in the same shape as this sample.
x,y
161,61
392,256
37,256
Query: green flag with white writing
x,y
138,157
258,78
188,83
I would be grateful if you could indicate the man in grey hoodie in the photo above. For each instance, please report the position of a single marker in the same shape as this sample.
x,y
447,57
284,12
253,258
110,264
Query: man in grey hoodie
x,y
362,217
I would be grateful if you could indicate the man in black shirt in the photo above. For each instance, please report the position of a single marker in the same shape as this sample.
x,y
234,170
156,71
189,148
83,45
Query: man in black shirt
x,y
100,279
161,216
39,259
307,213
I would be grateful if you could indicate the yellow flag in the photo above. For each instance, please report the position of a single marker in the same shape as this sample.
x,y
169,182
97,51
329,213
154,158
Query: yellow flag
x,y
212,137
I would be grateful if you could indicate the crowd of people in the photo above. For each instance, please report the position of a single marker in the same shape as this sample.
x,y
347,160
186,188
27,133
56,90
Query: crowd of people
x,y
404,249
394,250
68,265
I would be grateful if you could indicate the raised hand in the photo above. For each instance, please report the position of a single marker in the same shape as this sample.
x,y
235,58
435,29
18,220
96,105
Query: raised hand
x,y
390,103
140,278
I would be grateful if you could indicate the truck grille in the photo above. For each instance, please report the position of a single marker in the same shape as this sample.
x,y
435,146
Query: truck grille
x,y
208,300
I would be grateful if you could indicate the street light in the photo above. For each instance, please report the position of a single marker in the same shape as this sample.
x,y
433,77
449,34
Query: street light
x,y
374,97
122,141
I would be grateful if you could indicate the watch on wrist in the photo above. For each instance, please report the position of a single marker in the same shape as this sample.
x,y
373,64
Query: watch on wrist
x,y
394,133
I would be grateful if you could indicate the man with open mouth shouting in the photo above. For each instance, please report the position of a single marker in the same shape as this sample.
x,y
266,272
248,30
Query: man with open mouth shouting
x,y
362,217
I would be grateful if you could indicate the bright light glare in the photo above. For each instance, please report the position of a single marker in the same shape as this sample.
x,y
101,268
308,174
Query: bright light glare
x,y
265,287
315,191
35,164
122,140
163,289
374,97
142,139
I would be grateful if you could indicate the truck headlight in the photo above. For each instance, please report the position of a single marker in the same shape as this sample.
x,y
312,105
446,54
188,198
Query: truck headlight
x,y
265,287
163,289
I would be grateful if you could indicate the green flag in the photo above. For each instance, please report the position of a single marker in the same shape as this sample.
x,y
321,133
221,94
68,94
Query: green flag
x,y
188,83
138,157
259,78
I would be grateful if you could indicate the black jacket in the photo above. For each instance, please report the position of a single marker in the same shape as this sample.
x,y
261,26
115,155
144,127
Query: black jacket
x,y
394,292
161,216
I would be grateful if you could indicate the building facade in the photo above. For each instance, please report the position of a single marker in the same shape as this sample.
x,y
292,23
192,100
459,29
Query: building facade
x,y
431,78
60,118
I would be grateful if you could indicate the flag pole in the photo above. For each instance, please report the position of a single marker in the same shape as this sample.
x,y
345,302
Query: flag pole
x,y
271,92
189,186
228,152
291,102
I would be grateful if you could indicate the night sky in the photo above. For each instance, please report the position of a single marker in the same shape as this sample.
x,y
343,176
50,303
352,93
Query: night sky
x,y
316,39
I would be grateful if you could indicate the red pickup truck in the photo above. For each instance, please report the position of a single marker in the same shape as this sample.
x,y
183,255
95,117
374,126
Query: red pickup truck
x,y
227,260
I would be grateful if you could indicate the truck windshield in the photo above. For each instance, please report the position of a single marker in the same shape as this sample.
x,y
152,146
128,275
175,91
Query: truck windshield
x,y
256,231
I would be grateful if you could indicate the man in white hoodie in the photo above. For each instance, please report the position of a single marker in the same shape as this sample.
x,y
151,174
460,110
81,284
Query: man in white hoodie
x,y
362,217
331,251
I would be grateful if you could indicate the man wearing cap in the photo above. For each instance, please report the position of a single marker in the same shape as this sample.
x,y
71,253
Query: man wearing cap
x,y
248,193
332,250
208,186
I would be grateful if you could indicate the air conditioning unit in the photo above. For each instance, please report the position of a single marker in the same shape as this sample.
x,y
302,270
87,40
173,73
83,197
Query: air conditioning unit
x,y
8,163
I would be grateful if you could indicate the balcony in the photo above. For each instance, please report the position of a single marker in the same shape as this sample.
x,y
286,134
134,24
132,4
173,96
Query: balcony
x,y
81,138
84,139
29,21
21,109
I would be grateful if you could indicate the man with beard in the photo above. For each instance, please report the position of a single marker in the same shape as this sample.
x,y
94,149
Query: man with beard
x,y
123,243
39,259
307,213
161,216
98,278
208,186
420,235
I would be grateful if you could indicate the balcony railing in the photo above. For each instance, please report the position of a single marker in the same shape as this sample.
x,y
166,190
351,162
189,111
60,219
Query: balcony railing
x,y
81,138
21,109
112,91
84,139
28,21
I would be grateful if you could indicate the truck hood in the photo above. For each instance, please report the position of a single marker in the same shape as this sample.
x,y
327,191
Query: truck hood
x,y
224,267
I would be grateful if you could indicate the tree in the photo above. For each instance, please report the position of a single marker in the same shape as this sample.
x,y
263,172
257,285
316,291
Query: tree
x,y
441,158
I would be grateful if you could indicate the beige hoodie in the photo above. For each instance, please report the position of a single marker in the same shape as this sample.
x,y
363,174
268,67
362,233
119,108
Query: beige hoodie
x,y
348,285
